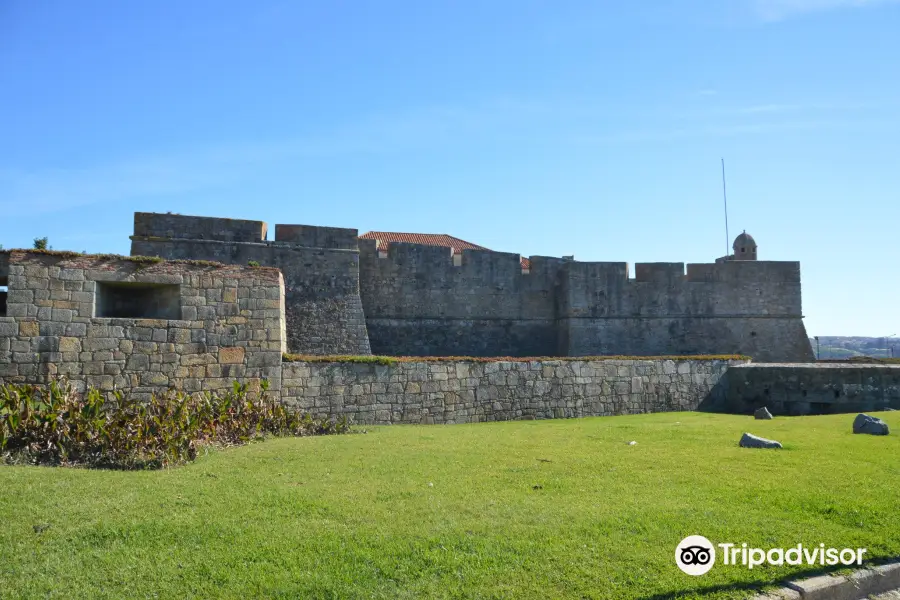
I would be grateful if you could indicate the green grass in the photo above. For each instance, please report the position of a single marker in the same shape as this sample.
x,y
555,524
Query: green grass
x,y
354,516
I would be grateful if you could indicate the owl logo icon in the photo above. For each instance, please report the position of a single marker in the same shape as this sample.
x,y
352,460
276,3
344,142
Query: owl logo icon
x,y
695,555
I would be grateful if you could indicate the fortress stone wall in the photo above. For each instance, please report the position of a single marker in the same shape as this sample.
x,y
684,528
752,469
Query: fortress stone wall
x,y
113,323
472,392
144,326
803,389
320,266
343,297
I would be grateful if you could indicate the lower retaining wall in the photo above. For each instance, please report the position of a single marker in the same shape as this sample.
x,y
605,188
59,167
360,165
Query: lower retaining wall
x,y
815,388
466,392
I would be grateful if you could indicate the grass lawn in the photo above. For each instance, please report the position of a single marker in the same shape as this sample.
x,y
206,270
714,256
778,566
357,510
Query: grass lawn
x,y
356,516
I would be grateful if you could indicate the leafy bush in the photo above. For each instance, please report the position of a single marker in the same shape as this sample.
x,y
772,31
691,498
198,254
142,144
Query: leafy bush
x,y
54,425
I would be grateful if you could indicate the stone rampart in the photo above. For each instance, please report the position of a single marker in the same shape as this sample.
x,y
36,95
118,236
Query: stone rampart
x,y
346,297
324,312
419,302
96,320
467,392
804,389
141,325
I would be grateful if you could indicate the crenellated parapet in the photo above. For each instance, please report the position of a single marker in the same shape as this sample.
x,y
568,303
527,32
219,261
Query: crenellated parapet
x,y
344,295
751,307
320,266
665,290
173,226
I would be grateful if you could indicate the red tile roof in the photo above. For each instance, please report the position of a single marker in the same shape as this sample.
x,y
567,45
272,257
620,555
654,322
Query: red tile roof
x,y
384,238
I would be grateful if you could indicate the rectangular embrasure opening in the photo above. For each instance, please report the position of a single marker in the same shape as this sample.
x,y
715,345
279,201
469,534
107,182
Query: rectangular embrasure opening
x,y
118,300
3,290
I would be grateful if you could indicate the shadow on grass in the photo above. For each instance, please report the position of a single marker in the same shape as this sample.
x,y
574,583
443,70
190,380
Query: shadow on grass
x,y
761,588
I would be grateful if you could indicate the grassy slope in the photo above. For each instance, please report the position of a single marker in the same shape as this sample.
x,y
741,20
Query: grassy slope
x,y
353,516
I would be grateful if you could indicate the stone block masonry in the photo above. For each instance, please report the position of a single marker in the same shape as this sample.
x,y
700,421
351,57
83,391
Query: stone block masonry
x,y
320,265
816,388
344,296
468,392
146,325
221,323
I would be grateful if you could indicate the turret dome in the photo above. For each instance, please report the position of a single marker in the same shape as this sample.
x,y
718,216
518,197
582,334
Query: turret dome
x,y
744,247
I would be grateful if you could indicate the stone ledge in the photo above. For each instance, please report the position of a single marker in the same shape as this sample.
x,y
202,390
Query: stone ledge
x,y
857,586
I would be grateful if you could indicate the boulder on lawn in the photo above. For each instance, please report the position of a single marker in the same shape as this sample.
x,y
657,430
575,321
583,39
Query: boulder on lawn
x,y
748,440
871,425
762,414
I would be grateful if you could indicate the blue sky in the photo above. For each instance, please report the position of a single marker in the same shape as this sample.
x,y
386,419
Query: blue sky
x,y
533,126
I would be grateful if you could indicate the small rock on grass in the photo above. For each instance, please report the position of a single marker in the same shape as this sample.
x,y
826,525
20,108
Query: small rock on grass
x,y
762,414
872,425
748,440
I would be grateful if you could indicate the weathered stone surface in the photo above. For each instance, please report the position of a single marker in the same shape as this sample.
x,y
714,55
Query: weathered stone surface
x,y
812,388
870,425
28,328
762,414
47,333
748,440
231,355
343,296
466,392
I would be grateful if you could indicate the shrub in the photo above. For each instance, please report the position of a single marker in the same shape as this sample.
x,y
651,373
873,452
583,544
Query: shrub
x,y
54,425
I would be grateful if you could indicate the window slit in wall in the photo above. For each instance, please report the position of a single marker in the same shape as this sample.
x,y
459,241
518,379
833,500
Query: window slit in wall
x,y
3,291
120,300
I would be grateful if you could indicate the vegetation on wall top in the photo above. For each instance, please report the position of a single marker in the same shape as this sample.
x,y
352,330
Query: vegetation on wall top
x,y
143,260
390,360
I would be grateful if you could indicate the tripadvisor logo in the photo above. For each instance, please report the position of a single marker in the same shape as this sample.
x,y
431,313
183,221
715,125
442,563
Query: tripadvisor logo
x,y
696,555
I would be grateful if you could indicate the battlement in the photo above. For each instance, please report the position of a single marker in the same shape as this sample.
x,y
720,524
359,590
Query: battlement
x,y
744,271
420,260
439,262
172,226
169,226
317,237
659,272
344,295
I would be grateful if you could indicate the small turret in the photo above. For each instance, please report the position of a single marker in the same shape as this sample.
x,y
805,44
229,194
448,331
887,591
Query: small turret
x,y
744,247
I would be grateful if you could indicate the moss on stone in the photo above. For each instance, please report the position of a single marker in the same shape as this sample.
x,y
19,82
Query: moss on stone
x,y
388,360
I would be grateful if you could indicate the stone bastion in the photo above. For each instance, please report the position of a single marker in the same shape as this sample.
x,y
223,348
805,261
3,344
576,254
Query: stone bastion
x,y
143,325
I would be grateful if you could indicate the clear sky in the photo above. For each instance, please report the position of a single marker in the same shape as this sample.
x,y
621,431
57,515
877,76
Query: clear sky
x,y
545,127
